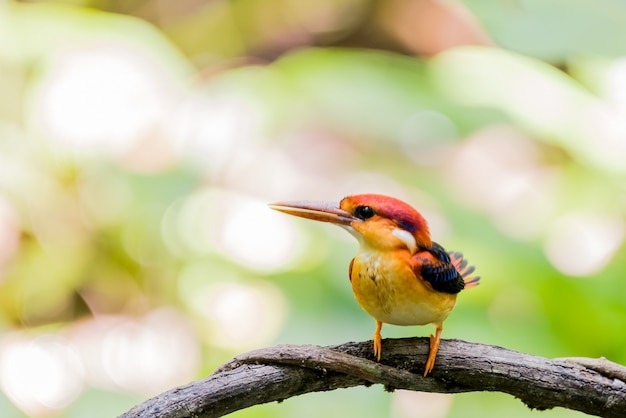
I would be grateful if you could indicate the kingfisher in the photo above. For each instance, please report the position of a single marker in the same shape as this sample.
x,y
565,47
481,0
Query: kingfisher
x,y
399,276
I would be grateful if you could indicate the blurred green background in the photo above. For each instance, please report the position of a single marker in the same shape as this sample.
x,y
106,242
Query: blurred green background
x,y
141,140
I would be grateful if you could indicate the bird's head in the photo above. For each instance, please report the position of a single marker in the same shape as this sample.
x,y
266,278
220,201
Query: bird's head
x,y
377,221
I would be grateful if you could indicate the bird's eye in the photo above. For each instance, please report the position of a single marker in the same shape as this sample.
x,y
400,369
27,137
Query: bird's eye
x,y
363,212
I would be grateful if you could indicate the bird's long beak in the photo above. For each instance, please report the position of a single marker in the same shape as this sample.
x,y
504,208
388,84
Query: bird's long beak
x,y
318,211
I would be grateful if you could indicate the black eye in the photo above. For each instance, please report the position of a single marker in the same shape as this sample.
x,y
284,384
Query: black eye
x,y
363,212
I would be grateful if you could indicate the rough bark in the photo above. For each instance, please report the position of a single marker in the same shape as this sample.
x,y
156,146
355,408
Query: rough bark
x,y
593,386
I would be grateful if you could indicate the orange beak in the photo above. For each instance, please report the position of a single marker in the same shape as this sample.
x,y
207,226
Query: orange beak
x,y
318,211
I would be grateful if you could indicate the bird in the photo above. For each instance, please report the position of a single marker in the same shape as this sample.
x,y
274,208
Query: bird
x,y
399,275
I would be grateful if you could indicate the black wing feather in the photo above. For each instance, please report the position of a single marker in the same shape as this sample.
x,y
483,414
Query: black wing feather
x,y
441,274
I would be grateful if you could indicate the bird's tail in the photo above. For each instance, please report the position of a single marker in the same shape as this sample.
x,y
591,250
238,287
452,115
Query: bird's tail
x,y
464,270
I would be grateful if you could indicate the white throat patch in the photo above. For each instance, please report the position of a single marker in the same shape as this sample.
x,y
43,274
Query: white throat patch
x,y
354,233
407,238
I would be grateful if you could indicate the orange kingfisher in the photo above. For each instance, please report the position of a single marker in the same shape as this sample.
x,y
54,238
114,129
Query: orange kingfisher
x,y
399,275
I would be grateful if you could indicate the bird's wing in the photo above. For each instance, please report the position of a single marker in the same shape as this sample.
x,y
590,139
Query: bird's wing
x,y
444,271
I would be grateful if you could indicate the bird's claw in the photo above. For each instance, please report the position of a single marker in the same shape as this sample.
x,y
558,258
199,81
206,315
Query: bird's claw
x,y
430,363
378,346
432,353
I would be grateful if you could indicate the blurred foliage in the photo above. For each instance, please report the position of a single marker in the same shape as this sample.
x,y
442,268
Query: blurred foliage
x,y
141,140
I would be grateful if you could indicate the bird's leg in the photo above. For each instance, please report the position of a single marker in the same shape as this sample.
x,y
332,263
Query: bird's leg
x,y
378,344
434,347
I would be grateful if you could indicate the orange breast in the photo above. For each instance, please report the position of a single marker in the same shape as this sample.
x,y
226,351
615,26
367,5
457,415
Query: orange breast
x,y
386,287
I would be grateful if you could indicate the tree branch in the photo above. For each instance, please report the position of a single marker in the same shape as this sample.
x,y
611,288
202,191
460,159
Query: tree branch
x,y
593,386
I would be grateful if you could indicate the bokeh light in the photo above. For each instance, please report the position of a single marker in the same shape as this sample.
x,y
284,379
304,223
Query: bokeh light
x,y
236,226
234,311
253,236
499,171
152,354
407,404
213,130
243,317
40,375
581,244
102,98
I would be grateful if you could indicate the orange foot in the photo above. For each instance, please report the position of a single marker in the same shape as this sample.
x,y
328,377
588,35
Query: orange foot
x,y
378,340
434,347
